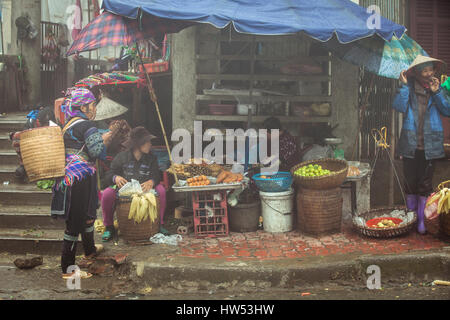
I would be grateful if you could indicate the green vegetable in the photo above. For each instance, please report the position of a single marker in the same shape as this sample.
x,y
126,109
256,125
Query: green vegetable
x,y
45,184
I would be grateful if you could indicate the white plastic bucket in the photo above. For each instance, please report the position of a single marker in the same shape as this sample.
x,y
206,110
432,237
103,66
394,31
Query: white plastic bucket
x,y
277,210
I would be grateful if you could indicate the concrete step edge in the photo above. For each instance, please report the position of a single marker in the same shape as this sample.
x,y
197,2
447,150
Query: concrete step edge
x,y
421,265
5,189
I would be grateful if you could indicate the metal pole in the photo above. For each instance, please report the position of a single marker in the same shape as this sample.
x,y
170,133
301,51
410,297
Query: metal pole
x,y
3,44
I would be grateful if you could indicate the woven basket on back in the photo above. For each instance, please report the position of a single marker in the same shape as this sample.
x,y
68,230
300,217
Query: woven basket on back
x,y
338,174
130,230
43,153
319,211
385,232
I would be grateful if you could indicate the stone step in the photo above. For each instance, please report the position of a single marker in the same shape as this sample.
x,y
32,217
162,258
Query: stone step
x,y
9,126
5,143
35,241
29,194
28,216
29,220
7,173
9,157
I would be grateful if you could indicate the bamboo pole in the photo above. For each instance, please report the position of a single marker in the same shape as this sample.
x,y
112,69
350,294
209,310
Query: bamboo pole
x,y
152,94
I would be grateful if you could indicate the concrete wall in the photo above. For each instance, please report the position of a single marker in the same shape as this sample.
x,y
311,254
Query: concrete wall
x,y
344,88
345,84
31,49
183,79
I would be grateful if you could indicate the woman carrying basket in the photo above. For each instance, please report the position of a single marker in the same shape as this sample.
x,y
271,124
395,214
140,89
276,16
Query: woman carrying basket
x,y
75,196
421,100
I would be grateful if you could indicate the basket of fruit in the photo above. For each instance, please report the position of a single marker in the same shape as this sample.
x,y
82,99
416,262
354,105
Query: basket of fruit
x,y
320,174
385,222
279,182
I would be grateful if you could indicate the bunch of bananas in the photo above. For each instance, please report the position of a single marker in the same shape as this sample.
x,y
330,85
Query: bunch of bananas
x,y
443,198
143,206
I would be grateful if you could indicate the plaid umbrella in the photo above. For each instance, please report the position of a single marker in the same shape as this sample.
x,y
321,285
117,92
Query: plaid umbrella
x,y
112,30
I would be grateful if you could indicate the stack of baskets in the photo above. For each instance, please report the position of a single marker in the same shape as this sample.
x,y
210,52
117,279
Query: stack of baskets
x,y
319,199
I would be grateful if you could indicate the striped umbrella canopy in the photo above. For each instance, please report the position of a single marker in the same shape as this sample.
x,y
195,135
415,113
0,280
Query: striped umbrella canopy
x,y
112,30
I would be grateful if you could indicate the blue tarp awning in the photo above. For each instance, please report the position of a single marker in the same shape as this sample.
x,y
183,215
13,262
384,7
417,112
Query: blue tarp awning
x,y
319,19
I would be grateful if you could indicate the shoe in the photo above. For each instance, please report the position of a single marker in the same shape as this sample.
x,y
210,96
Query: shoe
x,y
421,215
108,234
164,231
411,202
99,248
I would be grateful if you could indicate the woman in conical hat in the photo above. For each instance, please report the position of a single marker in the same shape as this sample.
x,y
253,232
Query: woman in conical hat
x,y
422,101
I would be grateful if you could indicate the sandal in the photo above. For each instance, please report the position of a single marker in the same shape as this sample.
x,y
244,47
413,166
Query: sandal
x,y
98,249
83,275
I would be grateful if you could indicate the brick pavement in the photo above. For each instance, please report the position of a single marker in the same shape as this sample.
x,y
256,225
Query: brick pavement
x,y
261,245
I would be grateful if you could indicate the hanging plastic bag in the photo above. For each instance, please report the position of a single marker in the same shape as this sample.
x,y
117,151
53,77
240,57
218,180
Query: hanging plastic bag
x,y
431,208
130,188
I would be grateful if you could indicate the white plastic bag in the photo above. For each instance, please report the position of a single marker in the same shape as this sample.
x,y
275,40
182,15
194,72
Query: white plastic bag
x,y
171,240
130,188
431,209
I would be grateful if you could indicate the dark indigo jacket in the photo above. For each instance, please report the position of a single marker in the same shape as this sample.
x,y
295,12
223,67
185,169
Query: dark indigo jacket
x,y
126,166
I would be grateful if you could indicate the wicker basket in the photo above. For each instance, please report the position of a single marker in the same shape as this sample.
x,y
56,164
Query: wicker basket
x,y
319,212
43,153
130,230
338,174
385,232
444,218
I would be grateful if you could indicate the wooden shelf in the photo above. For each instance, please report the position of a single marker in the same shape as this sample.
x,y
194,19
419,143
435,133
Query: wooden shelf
x,y
272,98
286,119
256,77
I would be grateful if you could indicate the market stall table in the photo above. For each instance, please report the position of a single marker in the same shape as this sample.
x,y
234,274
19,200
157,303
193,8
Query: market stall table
x,y
209,205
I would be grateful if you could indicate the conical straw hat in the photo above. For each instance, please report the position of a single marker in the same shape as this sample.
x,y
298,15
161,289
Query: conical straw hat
x,y
107,109
439,65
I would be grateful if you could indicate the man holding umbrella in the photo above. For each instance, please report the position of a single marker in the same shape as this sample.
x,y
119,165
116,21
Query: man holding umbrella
x,y
421,100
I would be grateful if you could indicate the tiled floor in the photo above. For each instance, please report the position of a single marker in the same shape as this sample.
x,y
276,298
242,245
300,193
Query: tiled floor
x,y
261,245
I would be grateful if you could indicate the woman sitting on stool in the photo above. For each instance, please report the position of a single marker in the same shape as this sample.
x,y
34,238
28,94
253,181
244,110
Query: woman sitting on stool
x,y
136,163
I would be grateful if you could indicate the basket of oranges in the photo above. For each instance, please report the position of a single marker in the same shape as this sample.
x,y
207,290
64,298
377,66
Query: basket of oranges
x,y
198,181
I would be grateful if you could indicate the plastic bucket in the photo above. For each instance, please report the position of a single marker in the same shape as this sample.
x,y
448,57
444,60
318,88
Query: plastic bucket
x,y
277,210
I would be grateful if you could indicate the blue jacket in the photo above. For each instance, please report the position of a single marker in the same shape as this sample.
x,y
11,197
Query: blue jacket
x,y
406,102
